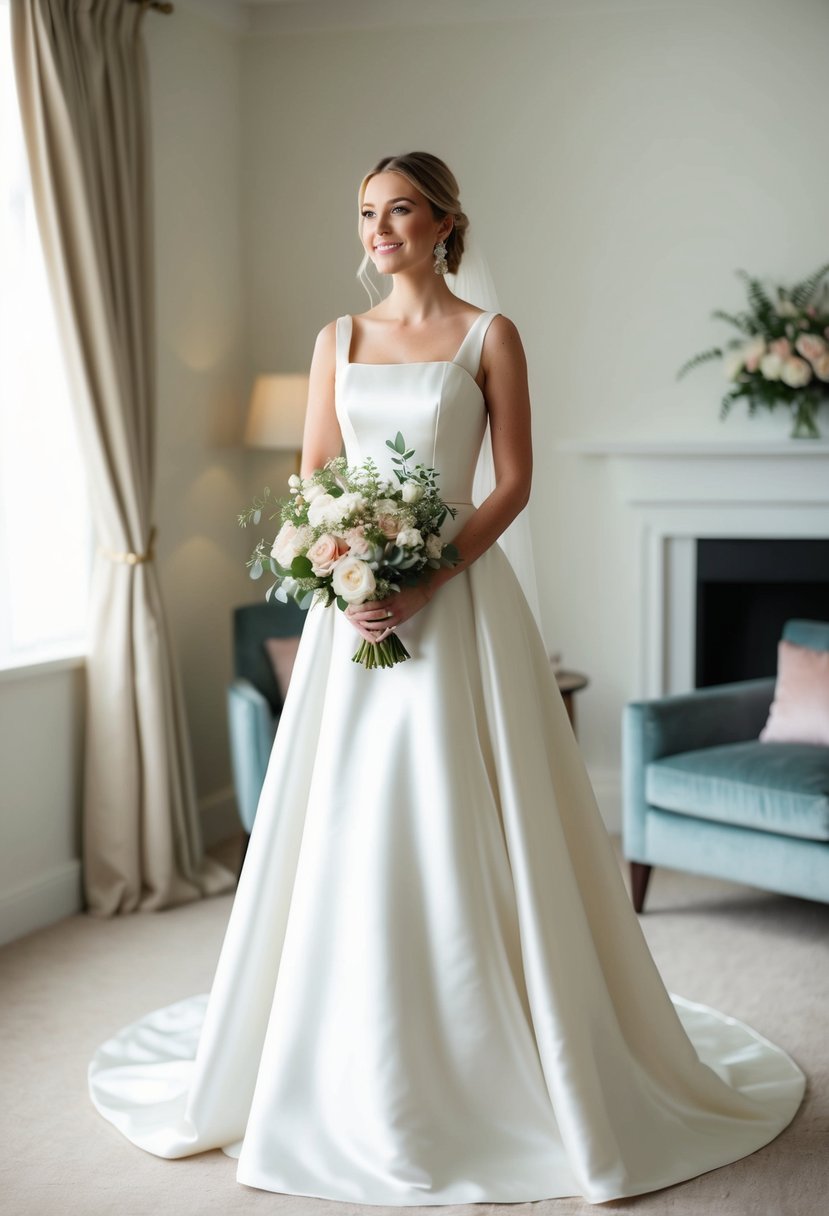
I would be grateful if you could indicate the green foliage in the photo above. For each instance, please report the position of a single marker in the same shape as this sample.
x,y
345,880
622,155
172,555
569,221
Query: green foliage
x,y
765,363
393,565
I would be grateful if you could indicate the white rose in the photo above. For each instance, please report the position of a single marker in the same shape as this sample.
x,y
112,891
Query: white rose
x,y
347,503
771,366
434,545
409,538
785,308
312,490
751,351
412,491
294,482
289,543
318,511
796,372
353,579
733,365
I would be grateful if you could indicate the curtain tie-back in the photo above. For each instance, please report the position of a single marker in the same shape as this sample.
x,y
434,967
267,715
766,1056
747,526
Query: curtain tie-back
x,y
131,559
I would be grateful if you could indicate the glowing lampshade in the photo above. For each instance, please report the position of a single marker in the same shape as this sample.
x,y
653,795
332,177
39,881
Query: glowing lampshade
x,y
276,414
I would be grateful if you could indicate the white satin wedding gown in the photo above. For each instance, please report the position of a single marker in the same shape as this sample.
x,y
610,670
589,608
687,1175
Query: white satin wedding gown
x,y
433,988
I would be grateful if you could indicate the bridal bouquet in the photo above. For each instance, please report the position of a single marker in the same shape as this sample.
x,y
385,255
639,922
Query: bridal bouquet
x,y
782,356
349,536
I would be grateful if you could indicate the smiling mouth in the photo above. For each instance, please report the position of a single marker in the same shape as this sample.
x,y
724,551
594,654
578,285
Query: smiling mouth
x,y
387,248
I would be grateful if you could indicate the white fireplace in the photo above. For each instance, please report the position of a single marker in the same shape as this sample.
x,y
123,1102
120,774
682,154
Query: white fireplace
x,y
681,490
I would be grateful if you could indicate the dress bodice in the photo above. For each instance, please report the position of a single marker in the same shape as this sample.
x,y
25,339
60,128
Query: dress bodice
x,y
437,406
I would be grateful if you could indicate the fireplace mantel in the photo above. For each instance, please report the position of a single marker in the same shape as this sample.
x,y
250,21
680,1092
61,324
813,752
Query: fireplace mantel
x,y
678,490
695,448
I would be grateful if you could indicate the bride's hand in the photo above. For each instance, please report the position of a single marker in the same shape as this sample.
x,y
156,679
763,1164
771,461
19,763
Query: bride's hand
x,y
372,620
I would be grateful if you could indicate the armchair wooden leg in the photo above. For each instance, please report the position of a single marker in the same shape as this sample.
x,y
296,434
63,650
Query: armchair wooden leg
x,y
639,878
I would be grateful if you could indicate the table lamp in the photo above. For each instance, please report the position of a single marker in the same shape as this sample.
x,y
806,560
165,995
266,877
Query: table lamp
x,y
276,414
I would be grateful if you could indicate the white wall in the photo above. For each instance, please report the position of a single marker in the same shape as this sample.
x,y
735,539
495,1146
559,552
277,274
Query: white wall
x,y
200,181
41,749
619,161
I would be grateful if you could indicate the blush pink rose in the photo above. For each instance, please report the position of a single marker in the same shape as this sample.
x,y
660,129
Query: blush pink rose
x,y
781,347
388,519
821,366
357,542
325,552
810,346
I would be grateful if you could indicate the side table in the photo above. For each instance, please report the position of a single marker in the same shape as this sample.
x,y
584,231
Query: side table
x,y
569,683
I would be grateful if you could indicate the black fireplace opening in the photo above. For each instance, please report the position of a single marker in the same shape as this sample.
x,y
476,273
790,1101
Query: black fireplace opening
x,y
746,590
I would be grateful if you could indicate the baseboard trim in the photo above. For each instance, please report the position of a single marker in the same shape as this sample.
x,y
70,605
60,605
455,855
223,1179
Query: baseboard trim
x,y
58,892
41,901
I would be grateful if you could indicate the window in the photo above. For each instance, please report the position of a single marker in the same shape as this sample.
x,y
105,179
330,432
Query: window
x,y
46,534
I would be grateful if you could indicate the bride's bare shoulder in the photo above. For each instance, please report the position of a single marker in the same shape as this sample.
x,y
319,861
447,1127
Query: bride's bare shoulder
x,y
501,341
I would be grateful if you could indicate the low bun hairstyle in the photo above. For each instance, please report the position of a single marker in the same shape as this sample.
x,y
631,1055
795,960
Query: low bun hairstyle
x,y
436,182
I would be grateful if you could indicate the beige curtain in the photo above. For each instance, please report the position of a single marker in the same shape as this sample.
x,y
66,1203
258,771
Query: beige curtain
x,y
82,84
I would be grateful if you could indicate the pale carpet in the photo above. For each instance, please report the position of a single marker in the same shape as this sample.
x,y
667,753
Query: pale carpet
x,y
761,957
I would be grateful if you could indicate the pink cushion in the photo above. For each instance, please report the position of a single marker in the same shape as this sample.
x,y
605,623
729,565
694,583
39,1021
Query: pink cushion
x,y
282,652
800,710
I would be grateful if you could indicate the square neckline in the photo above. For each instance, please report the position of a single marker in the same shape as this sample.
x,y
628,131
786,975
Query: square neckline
x,y
348,362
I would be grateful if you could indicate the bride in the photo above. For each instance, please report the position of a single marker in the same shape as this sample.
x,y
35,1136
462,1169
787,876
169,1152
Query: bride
x,y
433,987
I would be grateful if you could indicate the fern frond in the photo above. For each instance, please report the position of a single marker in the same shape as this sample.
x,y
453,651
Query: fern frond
x,y
802,292
726,404
704,357
758,296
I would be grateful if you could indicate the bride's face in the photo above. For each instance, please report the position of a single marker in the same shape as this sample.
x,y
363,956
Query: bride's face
x,y
396,215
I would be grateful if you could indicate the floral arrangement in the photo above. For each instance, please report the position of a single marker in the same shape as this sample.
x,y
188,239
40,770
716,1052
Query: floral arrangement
x,y
347,536
782,357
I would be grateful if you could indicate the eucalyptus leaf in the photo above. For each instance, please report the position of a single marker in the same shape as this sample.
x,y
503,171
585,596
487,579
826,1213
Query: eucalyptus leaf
x,y
301,567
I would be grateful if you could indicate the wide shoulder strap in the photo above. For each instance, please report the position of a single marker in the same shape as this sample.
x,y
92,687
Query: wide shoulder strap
x,y
343,332
469,355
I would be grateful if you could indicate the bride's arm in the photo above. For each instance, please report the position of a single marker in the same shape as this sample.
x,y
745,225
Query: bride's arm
x,y
508,402
321,439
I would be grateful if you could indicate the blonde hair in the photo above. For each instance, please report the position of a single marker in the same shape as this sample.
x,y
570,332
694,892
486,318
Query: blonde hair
x,y
437,183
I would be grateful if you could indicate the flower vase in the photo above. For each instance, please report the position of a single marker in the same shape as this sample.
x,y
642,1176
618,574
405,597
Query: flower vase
x,y
805,424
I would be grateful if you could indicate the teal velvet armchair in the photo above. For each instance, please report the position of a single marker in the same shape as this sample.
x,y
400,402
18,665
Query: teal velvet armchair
x,y
700,793
254,701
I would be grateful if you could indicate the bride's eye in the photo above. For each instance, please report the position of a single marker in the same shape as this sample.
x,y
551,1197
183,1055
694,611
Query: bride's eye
x,y
399,207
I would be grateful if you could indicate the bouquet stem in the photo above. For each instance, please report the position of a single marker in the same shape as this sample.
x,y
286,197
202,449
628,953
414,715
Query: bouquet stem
x,y
381,654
